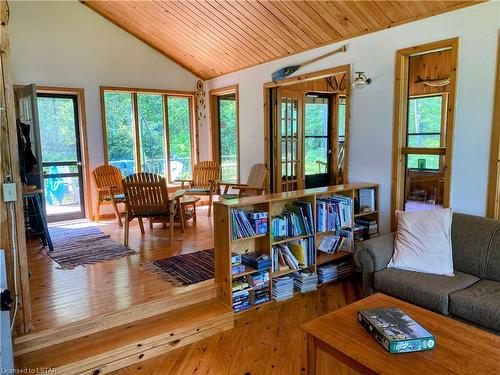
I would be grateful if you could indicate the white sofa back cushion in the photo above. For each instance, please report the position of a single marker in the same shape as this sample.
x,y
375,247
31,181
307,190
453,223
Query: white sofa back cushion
x,y
423,242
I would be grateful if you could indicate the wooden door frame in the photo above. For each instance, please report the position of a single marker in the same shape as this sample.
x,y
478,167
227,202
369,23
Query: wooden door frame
x,y
9,165
303,78
493,203
400,118
80,99
214,128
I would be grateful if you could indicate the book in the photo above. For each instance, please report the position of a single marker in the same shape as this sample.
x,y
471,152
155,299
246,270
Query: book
x,y
396,331
256,260
247,224
333,213
295,220
237,268
330,244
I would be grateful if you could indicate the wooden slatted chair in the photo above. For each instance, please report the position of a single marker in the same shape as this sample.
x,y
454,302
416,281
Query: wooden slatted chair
x,y
256,184
146,196
204,182
108,182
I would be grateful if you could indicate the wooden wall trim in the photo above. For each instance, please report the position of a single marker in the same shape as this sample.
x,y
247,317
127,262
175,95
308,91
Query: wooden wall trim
x,y
9,165
214,128
400,116
493,204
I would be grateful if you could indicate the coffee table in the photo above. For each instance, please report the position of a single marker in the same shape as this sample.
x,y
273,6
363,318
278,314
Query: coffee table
x,y
337,343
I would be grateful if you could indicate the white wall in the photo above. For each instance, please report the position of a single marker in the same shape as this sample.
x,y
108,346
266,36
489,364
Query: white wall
x,y
66,44
372,108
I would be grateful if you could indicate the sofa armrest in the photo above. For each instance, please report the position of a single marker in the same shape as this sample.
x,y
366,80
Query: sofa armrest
x,y
372,256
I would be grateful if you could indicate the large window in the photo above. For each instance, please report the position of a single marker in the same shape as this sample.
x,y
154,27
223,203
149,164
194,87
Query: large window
x,y
224,106
149,132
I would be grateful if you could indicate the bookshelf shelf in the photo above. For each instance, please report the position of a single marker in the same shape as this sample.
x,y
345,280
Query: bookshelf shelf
x,y
366,214
249,238
323,258
274,205
288,239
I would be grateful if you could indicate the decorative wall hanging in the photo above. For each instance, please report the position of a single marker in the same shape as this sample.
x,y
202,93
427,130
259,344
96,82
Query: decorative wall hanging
x,y
289,70
438,82
200,102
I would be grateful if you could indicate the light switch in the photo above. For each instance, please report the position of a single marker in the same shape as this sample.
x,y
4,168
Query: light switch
x,y
9,192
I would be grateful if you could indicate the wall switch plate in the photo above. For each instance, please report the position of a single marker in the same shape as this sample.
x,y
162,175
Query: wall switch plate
x,y
9,192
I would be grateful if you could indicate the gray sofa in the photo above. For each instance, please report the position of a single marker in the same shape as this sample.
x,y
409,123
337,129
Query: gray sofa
x,y
472,295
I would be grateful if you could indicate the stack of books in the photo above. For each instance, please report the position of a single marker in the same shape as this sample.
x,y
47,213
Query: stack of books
x,y
370,227
334,271
236,266
333,213
296,220
241,295
305,281
247,224
359,233
256,260
282,288
260,284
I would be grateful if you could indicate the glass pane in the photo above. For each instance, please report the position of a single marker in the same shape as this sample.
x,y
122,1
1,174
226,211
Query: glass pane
x,y
119,131
62,195
57,128
151,133
60,169
424,140
424,186
424,115
341,120
423,162
228,138
316,160
179,125
316,116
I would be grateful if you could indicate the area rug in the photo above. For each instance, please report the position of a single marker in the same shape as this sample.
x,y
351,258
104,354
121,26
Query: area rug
x,y
185,269
80,245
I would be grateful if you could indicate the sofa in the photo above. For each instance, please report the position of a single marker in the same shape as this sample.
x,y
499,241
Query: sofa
x,y
471,295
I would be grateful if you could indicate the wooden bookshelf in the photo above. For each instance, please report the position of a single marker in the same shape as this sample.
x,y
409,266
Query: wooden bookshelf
x,y
274,204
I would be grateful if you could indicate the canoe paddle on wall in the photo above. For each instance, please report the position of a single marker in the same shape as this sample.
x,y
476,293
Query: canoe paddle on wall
x,y
289,70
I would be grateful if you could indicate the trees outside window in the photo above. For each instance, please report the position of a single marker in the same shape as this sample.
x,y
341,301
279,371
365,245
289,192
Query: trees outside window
x,y
149,132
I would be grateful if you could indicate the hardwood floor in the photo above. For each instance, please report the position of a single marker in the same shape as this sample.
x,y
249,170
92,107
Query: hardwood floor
x,y
60,297
263,342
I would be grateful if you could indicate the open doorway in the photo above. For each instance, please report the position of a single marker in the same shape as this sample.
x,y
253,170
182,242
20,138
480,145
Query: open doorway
x,y
307,130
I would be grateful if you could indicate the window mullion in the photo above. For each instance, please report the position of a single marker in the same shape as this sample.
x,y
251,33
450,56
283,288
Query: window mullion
x,y
167,138
137,142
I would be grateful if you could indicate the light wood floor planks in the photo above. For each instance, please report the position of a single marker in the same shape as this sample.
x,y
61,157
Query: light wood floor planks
x,y
60,297
263,342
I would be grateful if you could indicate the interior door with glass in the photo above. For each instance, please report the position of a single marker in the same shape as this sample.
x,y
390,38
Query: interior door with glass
x,y
288,168
61,156
317,139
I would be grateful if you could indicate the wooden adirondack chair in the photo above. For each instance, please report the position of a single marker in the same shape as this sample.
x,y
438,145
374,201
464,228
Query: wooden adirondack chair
x,y
204,182
256,184
146,196
108,182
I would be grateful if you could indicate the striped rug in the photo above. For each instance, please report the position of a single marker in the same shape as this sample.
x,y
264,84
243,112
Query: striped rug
x,y
185,269
82,244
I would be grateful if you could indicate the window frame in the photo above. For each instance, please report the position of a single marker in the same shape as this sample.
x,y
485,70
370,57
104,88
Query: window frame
x,y
193,124
215,125
401,96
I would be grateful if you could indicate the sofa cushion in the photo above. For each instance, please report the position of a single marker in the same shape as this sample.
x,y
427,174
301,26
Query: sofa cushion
x,y
492,269
478,304
471,237
423,289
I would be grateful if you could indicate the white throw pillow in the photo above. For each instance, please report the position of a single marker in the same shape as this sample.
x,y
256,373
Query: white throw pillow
x,y
423,242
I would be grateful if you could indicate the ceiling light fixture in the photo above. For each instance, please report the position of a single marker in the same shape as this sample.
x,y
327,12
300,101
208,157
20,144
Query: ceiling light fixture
x,y
360,80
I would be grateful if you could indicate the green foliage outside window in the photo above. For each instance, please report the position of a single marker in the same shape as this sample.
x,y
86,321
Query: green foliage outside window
x,y
228,140
316,149
180,137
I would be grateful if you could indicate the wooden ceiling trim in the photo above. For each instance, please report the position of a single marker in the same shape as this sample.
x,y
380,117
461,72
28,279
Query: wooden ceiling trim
x,y
258,33
204,53
211,38
180,57
199,29
242,31
296,43
257,22
288,26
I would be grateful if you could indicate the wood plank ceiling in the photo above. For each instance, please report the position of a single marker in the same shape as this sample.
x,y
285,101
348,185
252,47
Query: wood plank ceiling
x,y
212,38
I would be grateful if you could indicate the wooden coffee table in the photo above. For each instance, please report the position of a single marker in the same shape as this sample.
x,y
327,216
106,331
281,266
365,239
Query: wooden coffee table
x,y
337,343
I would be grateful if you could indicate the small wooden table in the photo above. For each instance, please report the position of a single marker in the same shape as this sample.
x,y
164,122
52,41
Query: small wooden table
x,y
337,343
186,201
